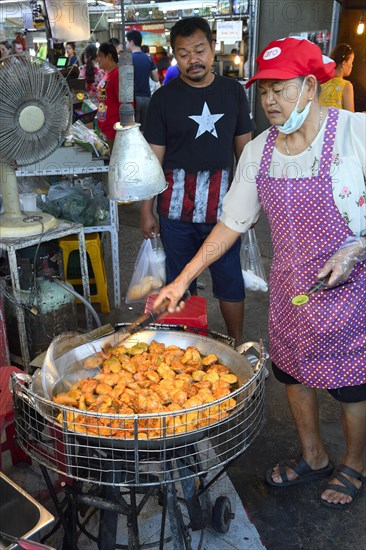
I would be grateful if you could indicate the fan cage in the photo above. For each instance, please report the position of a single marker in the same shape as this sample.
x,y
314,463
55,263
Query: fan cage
x,y
30,81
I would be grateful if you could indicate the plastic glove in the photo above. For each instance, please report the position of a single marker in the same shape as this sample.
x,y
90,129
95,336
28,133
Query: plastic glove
x,y
340,265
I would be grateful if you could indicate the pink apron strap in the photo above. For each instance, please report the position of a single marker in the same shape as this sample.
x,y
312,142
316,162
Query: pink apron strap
x,y
328,142
267,152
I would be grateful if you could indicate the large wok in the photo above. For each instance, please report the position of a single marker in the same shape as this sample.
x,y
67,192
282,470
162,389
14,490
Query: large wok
x,y
70,364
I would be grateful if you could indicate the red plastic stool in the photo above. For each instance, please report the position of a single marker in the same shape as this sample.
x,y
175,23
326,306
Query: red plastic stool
x,y
7,419
193,315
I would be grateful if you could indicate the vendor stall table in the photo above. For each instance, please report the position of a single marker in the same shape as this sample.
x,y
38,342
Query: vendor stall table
x,y
11,245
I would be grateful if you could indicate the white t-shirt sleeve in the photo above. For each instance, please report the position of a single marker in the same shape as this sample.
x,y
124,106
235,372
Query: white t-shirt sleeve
x,y
241,205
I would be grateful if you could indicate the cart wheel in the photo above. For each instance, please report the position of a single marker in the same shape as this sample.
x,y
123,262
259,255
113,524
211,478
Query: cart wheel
x,y
221,515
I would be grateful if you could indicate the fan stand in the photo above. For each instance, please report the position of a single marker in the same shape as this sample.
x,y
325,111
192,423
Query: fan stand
x,y
13,222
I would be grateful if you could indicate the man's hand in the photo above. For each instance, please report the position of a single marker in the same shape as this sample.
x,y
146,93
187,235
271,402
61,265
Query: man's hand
x,y
149,225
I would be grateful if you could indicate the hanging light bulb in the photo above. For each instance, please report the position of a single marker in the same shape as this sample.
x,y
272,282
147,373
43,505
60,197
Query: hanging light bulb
x,y
237,60
361,25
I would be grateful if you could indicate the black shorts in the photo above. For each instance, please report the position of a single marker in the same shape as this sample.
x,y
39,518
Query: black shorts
x,y
347,394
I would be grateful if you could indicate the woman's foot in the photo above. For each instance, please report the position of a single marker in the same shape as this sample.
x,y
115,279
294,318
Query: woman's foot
x,y
350,483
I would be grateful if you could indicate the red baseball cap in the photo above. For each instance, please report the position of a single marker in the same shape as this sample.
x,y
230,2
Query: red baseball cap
x,y
288,58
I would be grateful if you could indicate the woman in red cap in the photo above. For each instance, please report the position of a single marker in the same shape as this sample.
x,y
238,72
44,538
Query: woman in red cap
x,y
308,172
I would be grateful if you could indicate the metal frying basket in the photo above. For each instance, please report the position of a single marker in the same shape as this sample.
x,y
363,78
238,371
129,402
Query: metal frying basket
x,y
45,430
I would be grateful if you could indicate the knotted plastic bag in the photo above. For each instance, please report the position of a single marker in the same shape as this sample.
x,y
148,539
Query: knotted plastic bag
x,y
251,263
149,272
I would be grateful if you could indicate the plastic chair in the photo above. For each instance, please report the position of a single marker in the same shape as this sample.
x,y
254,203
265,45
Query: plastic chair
x,y
95,255
7,420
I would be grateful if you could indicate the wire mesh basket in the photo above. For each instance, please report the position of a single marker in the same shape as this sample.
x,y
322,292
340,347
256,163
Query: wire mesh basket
x,y
143,449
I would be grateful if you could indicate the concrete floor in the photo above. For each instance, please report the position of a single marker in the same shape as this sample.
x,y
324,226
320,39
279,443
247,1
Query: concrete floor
x,y
289,518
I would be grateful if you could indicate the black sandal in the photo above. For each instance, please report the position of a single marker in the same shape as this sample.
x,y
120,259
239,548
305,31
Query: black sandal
x,y
347,488
304,472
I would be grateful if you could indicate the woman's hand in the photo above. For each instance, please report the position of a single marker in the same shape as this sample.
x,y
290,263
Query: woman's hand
x,y
343,261
171,295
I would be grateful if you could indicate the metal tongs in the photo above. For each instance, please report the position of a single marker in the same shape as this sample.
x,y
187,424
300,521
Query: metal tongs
x,y
320,284
86,359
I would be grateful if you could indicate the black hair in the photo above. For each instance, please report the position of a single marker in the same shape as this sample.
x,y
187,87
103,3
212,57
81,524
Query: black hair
x,y
90,54
145,48
107,48
340,53
135,37
6,43
72,44
114,41
188,26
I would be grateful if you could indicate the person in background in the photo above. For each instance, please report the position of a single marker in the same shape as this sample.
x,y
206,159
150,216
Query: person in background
x,y
162,62
154,85
116,43
5,48
172,72
71,54
196,132
308,172
338,92
89,69
16,47
144,69
108,92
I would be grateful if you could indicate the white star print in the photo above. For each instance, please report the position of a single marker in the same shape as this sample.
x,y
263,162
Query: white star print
x,y
206,121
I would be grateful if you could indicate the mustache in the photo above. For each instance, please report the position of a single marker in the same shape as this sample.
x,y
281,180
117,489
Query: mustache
x,y
195,67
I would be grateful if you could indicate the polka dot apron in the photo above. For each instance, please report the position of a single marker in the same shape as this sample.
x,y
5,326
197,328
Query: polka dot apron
x,y
322,343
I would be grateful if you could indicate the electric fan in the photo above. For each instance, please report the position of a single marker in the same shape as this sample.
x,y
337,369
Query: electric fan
x,y
35,113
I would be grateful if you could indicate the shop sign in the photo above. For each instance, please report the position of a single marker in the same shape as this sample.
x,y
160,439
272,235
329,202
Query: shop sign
x,y
229,31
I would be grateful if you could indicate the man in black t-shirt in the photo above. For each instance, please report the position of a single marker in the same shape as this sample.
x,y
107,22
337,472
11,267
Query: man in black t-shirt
x,y
196,124
144,69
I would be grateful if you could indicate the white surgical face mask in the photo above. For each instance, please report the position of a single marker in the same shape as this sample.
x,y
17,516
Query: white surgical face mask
x,y
296,118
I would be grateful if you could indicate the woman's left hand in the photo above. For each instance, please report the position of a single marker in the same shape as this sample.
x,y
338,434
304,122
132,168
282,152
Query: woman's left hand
x,y
342,262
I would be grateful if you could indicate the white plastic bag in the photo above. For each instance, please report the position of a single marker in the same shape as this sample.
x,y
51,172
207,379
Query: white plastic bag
x,y
149,273
251,263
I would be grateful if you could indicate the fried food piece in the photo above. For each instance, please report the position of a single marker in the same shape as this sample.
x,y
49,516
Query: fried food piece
x,y
139,348
191,354
111,365
198,375
209,360
229,378
88,385
166,372
102,389
156,347
70,398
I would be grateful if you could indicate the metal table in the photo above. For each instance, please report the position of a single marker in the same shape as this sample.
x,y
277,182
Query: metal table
x,y
11,245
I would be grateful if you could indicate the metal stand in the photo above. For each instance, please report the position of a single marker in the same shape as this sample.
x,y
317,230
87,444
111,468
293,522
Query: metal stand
x,y
11,245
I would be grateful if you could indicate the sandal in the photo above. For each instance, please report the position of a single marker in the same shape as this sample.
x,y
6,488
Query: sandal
x,y
304,472
347,488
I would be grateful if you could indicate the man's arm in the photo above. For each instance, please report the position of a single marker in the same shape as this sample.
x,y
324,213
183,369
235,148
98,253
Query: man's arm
x,y
148,222
240,142
154,75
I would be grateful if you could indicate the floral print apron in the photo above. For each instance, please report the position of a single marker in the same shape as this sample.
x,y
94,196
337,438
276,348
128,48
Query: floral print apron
x,y
321,344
